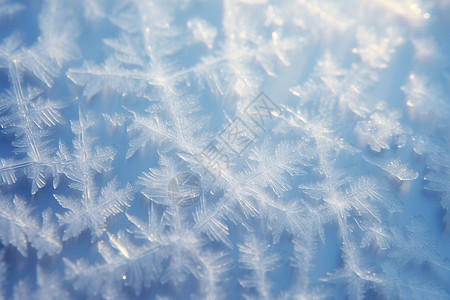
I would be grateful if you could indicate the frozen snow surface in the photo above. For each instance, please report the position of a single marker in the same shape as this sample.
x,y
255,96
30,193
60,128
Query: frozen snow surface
x,y
235,149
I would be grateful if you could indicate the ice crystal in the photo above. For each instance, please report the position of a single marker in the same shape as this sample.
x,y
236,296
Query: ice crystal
x,y
254,149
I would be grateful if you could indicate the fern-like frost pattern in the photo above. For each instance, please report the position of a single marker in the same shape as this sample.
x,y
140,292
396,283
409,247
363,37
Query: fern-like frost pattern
x,y
234,149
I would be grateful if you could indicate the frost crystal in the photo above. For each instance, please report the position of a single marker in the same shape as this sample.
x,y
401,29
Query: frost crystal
x,y
240,149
